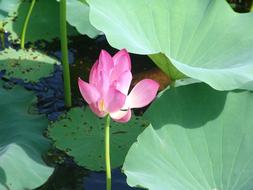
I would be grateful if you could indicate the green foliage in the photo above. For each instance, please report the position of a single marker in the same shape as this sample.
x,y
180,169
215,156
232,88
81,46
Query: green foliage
x,y
81,134
165,65
205,40
21,142
78,16
44,21
6,7
26,64
43,24
199,139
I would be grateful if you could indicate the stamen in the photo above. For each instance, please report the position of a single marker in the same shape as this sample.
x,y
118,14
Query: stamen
x,y
101,105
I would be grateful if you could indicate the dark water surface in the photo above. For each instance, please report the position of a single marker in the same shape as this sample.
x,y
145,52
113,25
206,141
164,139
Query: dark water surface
x,y
49,90
82,54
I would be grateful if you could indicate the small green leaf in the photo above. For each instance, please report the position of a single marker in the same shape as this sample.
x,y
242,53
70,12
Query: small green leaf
x,y
81,134
21,142
26,64
78,16
43,24
7,7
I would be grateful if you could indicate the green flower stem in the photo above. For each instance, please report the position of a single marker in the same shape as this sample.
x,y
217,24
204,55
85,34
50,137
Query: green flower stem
x,y
163,62
64,50
26,24
2,40
107,154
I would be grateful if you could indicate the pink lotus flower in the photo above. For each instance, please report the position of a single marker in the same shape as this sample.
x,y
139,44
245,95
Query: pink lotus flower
x,y
109,82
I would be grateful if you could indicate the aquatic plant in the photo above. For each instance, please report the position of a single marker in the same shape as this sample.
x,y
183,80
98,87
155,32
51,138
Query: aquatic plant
x,y
196,135
106,94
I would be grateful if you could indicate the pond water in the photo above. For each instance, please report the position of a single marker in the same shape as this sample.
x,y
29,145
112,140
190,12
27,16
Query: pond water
x,y
49,91
82,54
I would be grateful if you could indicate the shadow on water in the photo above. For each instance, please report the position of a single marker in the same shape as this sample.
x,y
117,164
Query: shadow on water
x,y
69,176
82,53
49,91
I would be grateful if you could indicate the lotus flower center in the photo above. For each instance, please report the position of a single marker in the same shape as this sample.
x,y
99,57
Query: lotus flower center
x,y
101,105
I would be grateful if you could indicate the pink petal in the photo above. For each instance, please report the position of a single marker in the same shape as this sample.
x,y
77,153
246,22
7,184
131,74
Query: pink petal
x,y
123,82
143,93
93,74
122,64
94,108
122,58
103,83
121,116
105,63
88,91
114,100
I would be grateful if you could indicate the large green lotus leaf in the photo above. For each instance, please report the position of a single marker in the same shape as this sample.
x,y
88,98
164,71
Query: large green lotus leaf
x,y
204,39
78,16
43,24
200,139
26,64
7,6
81,134
21,142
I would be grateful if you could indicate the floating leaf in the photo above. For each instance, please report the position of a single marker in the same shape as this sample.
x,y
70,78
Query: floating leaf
x,y
81,135
200,139
78,16
204,39
21,142
43,24
27,65
6,7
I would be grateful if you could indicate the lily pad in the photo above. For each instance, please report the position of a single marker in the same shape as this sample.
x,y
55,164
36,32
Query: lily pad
x,y
81,134
204,40
78,16
44,22
21,142
200,139
7,7
27,65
